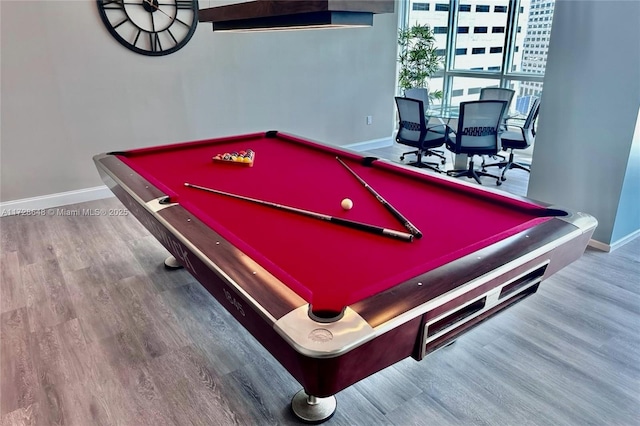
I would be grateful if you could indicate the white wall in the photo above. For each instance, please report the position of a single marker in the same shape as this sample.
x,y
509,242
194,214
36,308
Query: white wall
x,y
589,111
69,90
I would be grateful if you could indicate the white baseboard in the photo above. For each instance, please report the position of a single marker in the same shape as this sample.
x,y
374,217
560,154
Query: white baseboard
x,y
372,144
616,245
10,208
599,246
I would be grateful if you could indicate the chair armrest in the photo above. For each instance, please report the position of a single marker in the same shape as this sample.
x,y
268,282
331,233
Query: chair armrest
x,y
515,117
521,128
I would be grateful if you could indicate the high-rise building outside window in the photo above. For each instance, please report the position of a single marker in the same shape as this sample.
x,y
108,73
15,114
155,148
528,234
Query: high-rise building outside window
x,y
505,44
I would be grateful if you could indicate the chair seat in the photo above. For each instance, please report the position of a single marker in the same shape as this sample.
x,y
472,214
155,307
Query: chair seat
x,y
437,128
433,139
513,139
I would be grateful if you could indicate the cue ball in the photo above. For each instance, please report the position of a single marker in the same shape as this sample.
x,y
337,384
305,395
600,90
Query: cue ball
x,y
346,204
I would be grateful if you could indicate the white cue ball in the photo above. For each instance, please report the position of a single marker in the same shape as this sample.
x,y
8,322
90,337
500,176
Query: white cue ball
x,y
346,204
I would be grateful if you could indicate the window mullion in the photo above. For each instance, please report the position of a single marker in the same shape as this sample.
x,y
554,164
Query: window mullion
x,y
510,41
450,50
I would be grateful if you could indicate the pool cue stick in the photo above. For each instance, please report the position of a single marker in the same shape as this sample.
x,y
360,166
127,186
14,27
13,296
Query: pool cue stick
x,y
338,221
414,231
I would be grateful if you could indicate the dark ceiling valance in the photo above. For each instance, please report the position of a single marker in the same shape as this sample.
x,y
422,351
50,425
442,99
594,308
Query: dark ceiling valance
x,y
294,14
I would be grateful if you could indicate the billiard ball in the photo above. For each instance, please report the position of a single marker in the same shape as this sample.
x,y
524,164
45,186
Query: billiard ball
x,y
346,204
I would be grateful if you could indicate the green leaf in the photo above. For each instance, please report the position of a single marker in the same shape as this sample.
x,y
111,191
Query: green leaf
x,y
417,57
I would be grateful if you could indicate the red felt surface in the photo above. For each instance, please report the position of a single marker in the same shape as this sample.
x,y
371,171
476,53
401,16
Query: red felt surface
x,y
329,265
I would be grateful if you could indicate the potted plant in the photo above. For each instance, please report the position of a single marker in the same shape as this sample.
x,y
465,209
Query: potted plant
x,y
418,59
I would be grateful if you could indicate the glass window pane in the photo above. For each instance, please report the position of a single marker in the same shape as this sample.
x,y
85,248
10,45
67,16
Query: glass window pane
x,y
534,39
435,88
437,17
526,92
487,26
470,88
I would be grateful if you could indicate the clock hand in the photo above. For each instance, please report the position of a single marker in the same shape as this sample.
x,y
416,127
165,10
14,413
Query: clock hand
x,y
150,3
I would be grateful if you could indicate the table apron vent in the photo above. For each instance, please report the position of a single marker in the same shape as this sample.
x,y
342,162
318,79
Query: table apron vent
x,y
445,328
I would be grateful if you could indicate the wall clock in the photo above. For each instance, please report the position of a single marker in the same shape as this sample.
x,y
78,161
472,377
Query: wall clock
x,y
150,27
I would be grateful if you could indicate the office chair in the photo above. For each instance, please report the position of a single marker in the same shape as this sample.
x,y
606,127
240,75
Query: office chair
x,y
436,124
413,131
498,94
477,134
419,93
522,138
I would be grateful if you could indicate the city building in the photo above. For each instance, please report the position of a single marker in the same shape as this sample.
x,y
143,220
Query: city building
x,y
489,45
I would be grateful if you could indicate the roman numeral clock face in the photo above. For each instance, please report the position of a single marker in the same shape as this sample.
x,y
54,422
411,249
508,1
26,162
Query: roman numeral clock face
x,y
150,27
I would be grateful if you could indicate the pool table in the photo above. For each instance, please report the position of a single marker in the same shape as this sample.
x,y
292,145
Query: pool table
x,y
335,304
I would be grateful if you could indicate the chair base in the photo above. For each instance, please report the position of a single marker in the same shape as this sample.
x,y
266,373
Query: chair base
x,y
508,165
408,153
499,157
428,152
422,165
472,173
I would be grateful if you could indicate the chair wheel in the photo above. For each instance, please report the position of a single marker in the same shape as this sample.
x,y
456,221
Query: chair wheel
x,y
443,161
402,158
503,178
498,182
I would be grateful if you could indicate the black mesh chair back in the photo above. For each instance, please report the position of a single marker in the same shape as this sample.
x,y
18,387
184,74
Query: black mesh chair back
x,y
497,94
518,137
419,93
477,134
478,127
413,131
412,127
531,119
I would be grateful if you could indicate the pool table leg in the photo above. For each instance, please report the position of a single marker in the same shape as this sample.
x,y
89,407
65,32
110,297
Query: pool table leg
x,y
171,263
312,409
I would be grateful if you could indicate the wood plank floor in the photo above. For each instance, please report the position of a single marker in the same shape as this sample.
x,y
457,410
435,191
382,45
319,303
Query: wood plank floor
x,y
94,331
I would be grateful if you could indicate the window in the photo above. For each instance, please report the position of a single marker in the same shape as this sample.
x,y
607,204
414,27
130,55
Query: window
x,y
466,84
481,23
474,90
486,32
